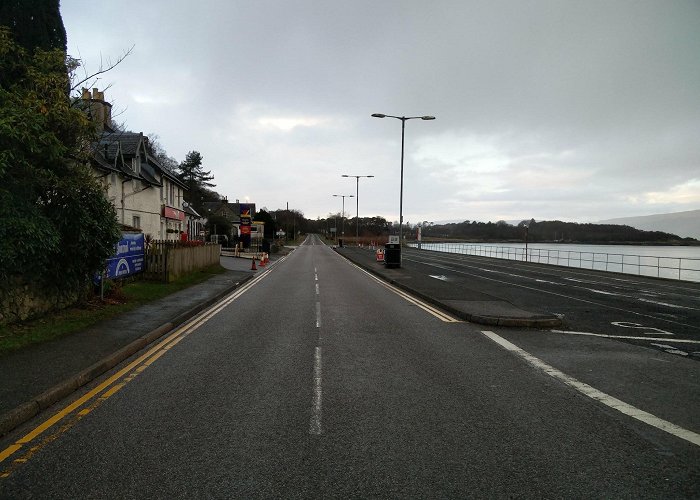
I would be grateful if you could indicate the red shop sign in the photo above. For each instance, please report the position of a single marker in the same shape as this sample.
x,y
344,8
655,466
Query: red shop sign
x,y
173,213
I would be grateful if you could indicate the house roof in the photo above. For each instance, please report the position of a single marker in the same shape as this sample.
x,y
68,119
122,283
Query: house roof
x,y
102,162
126,142
116,165
191,211
148,173
172,176
113,149
225,206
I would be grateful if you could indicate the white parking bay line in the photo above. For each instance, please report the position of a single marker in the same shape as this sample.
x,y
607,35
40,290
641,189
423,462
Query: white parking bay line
x,y
627,337
603,292
666,304
597,395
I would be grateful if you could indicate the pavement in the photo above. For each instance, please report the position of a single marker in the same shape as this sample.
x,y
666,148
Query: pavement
x,y
38,376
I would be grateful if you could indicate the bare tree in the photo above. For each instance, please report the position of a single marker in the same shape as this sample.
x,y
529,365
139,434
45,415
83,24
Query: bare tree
x,y
91,79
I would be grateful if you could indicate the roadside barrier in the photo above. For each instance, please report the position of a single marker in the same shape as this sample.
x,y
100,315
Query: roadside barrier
x,y
380,255
679,268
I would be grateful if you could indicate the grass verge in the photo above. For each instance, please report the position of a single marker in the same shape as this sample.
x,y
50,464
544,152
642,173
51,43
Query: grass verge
x,y
74,319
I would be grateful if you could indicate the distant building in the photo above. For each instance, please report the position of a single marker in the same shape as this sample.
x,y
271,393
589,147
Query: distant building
x,y
232,212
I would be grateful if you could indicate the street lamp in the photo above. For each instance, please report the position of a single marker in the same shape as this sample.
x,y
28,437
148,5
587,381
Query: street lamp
x,y
403,128
357,205
342,220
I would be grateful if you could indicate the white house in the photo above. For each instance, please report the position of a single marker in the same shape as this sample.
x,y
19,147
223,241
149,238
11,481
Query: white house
x,y
146,195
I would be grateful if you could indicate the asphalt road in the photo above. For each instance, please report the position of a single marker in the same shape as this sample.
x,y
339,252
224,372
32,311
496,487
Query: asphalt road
x,y
657,313
316,380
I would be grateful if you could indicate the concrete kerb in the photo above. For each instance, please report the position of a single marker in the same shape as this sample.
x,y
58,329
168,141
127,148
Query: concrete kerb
x,y
472,318
17,416
12,419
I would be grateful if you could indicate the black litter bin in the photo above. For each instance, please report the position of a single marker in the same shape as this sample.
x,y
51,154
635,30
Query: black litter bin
x,y
340,242
392,255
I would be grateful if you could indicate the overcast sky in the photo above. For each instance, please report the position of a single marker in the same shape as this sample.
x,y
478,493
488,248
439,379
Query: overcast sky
x,y
570,110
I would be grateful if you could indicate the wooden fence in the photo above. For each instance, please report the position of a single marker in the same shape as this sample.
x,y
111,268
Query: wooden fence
x,y
167,260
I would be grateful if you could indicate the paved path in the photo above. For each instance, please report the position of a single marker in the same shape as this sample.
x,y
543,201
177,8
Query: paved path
x,y
35,377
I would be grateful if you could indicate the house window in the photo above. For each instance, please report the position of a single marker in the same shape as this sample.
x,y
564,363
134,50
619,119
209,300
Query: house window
x,y
171,197
136,222
114,179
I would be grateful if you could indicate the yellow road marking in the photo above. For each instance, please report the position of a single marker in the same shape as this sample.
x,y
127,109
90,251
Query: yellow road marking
x,y
174,343
112,390
86,397
9,451
138,366
154,358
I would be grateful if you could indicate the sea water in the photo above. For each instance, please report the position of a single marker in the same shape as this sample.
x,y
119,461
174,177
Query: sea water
x,y
674,262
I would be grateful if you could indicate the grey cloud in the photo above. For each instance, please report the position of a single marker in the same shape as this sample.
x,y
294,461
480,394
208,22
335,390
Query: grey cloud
x,y
606,94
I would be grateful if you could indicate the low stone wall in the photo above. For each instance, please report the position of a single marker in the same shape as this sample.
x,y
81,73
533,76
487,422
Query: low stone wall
x,y
185,260
22,301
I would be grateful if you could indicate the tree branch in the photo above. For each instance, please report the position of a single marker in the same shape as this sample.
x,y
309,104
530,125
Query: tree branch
x,y
102,70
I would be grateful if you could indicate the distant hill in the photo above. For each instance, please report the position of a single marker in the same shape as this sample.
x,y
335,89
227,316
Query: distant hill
x,y
552,231
684,224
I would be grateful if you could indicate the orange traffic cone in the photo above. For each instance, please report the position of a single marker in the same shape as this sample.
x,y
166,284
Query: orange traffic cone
x,y
262,260
253,268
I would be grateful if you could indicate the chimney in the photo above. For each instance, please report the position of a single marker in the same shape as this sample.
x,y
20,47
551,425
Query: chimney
x,y
100,112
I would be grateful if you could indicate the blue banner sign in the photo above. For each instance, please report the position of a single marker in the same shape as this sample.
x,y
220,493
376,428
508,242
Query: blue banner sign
x,y
129,257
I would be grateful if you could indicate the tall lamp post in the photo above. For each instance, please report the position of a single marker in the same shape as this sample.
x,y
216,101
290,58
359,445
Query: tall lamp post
x,y
403,128
357,205
342,219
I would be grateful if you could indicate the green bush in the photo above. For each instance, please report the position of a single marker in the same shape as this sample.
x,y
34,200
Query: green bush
x,y
57,226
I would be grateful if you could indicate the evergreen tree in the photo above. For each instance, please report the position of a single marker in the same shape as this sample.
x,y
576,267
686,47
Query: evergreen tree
x,y
193,175
58,227
218,224
264,216
34,24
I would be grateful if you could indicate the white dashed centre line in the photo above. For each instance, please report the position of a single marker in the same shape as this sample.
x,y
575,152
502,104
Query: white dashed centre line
x,y
315,425
316,405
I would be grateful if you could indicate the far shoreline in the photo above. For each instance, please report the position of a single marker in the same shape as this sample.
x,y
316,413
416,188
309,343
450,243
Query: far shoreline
x,y
675,243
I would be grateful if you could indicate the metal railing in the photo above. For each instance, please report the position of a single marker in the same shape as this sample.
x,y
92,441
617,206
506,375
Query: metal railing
x,y
680,268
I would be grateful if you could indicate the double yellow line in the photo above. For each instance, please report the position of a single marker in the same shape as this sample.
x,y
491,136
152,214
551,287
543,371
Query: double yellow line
x,y
92,399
